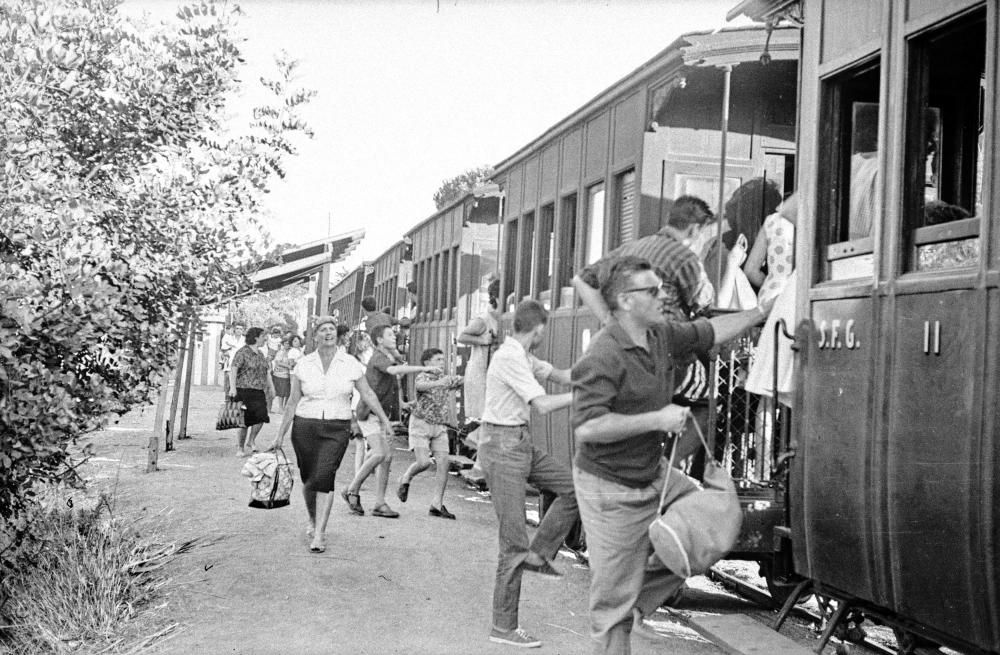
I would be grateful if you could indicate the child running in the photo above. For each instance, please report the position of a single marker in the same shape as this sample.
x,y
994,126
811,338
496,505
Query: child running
x,y
428,429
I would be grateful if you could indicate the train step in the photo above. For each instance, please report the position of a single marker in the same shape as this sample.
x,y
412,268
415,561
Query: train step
x,y
741,635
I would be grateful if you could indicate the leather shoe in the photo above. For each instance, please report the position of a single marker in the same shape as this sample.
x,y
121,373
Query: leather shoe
x,y
443,512
545,568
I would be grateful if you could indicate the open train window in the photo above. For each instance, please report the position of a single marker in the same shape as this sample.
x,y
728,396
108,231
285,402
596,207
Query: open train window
x,y
848,188
543,255
524,256
567,249
944,141
509,268
595,223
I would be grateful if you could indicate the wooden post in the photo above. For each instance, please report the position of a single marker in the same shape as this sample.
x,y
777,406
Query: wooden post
x,y
153,449
182,428
179,376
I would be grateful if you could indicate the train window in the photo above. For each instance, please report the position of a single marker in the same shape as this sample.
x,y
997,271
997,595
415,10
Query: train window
x,y
567,249
944,157
444,295
848,191
624,208
453,280
543,255
595,223
435,286
509,269
524,256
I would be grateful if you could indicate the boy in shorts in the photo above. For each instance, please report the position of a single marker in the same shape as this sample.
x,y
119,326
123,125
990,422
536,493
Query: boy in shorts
x,y
428,428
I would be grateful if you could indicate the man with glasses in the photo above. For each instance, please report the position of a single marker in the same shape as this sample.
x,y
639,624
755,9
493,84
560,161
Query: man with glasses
x,y
622,388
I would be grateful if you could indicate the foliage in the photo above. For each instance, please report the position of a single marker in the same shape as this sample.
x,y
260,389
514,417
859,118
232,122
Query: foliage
x,y
285,307
92,571
123,204
454,188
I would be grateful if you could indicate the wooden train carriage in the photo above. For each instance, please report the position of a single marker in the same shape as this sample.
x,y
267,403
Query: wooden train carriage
x,y
346,295
894,478
454,259
388,275
606,174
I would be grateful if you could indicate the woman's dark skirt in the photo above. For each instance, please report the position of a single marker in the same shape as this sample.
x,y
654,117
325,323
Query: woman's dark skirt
x,y
319,446
256,405
282,386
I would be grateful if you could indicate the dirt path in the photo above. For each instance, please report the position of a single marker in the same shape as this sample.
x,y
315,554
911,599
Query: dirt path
x,y
418,584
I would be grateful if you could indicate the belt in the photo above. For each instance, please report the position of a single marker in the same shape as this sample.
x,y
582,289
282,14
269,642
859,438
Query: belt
x,y
500,425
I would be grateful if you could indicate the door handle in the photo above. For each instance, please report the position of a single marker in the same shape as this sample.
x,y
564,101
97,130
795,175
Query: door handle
x,y
937,337
927,337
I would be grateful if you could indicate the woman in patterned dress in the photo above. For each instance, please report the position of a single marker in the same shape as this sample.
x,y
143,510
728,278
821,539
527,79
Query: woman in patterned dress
x,y
774,244
250,383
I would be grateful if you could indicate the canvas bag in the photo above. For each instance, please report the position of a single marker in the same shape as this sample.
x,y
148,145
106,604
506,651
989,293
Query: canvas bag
x,y
230,415
271,480
742,296
699,526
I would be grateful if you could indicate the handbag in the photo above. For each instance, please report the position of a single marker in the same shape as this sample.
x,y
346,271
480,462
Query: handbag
x,y
271,480
699,526
231,415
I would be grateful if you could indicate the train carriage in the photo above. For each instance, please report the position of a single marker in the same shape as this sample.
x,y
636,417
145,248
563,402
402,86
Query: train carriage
x,y
345,297
893,479
702,117
454,259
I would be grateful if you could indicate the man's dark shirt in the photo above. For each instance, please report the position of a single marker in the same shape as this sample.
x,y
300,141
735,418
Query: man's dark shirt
x,y
383,384
617,376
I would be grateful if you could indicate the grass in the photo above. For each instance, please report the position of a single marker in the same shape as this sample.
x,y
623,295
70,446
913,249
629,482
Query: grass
x,y
83,589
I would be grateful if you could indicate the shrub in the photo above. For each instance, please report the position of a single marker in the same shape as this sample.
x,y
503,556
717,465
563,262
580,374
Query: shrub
x,y
124,209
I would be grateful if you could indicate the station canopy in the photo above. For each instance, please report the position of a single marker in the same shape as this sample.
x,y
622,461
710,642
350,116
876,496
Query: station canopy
x,y
300,262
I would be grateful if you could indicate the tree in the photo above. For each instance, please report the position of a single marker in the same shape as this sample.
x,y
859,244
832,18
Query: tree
x,y
454,188
125,208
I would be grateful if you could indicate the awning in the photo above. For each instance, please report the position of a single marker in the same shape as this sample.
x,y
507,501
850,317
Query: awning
x,y
302,261
731,47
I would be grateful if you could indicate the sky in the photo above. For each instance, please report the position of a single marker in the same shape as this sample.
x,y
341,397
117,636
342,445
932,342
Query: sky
x,y
411,93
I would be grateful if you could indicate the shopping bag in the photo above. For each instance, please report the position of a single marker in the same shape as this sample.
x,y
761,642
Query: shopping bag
x,y
271,480
231,415
695,529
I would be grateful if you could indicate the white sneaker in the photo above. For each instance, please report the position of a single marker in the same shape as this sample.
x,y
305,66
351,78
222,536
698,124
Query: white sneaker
x,y
516,637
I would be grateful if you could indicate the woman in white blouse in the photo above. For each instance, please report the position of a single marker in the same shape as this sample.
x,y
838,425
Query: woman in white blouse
x,y
319,413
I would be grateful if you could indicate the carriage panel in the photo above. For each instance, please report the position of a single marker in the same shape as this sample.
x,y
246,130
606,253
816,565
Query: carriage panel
x,y
628,130
848,26
932,458
560,352
571,145
835,449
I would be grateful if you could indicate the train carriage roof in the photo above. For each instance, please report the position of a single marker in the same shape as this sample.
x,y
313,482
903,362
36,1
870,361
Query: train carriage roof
x,y
704,49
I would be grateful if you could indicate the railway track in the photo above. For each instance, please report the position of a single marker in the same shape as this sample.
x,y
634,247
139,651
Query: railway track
x,y
760,596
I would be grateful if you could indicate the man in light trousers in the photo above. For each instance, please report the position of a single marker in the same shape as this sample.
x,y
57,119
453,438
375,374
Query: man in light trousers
x,y
510,461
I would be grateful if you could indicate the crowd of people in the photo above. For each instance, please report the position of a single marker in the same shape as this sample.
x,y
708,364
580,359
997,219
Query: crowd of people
x,y
622,394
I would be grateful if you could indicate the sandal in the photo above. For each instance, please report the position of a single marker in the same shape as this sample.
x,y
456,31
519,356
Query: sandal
x,y
385,512
353,501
